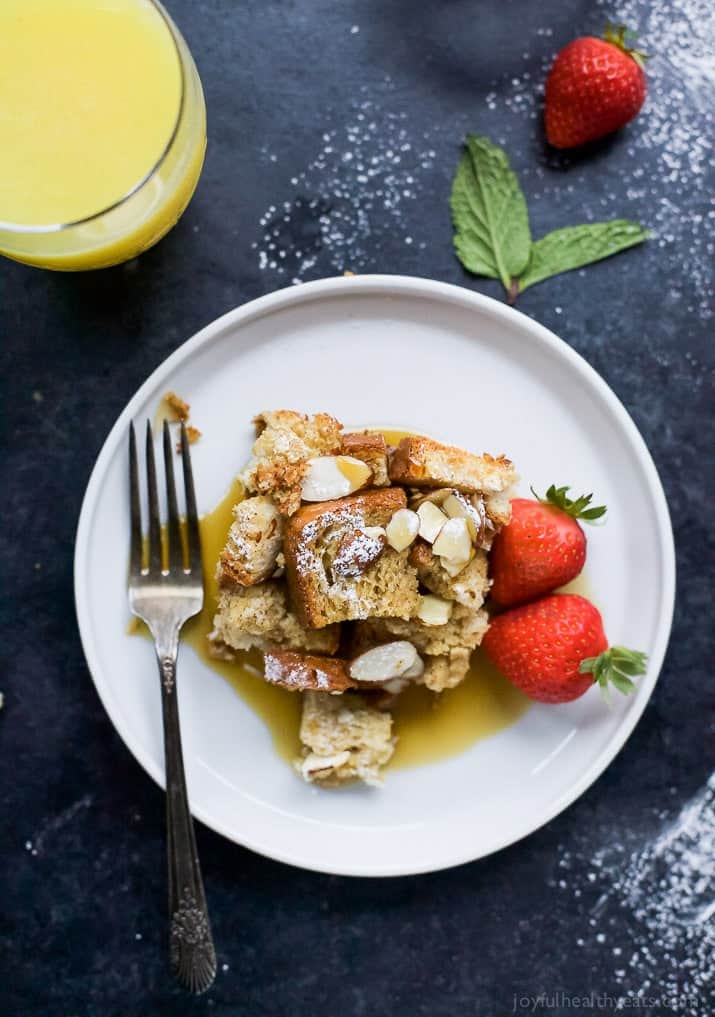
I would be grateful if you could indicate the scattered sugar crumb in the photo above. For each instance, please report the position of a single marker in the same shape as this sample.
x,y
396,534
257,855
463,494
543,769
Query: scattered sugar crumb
x,y
361,188
652,908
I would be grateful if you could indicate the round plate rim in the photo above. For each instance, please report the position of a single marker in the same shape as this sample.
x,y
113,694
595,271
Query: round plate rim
x,y
398,285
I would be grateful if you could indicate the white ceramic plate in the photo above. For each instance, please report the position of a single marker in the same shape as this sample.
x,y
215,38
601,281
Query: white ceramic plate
x,y
468,370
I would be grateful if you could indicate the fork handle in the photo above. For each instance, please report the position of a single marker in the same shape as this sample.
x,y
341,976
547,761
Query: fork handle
x,y
192,954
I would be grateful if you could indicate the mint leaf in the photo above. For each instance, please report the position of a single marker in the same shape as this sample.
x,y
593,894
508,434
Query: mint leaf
x,y
574,246
491,221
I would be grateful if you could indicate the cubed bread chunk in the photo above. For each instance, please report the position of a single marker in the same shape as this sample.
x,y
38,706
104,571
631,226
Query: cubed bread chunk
x,y
465,628
445,649
469,587
422,462
372,449
301,673
286,441
253,544
259,616
320,595
343,739
445,671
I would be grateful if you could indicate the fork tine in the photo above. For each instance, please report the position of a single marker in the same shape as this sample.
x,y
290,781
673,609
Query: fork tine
x,y
175,551
192,516
155,555
135,549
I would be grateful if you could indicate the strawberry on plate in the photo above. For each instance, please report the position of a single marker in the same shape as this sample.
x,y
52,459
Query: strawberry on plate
x,y
594,87
543,546
554,649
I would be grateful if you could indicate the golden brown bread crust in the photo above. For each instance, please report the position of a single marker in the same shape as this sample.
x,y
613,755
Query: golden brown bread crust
x,y
285,441
312,536
302,673
371,449
318,598
421,462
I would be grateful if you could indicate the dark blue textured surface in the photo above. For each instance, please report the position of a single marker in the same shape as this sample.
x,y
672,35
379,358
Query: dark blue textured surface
x,y
82,883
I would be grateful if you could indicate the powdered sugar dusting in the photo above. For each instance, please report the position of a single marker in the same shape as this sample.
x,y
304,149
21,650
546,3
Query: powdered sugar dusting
x,y
360,188
662,894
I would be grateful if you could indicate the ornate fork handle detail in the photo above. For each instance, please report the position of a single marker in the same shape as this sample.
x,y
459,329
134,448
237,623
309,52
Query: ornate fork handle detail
x,y
191,949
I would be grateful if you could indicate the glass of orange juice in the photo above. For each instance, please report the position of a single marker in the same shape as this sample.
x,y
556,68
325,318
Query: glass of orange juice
x,y
102,130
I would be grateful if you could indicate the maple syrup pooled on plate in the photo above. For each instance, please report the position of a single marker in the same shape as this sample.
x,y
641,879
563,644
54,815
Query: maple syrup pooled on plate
x,y
428,726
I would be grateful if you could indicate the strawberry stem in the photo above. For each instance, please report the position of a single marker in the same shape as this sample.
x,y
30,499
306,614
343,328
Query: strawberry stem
x,y
618,35
578,508
617,666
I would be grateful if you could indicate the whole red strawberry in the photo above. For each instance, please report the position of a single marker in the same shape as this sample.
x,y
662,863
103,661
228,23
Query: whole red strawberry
x,y
543,546
554,649
594,87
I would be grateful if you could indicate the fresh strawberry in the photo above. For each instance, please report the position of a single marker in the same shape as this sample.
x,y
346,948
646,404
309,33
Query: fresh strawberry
x,y
542,547
594,87
554,649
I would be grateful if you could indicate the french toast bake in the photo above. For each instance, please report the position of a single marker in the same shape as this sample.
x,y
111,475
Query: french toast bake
x,y
357,568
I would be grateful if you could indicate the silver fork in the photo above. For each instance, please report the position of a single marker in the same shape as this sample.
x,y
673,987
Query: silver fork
x,y
165,598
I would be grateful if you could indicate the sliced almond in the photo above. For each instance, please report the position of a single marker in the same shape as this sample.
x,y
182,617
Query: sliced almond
x,y
402,529
381,663
457,506
453,542
330,477
453,568
434,610
432,520
416,671
314,764
396,685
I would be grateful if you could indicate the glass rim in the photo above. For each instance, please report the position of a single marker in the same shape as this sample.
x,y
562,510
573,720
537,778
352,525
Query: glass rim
x,y
24,229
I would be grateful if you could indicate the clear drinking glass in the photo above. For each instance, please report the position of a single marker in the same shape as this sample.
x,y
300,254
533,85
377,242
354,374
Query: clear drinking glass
x,y
139,218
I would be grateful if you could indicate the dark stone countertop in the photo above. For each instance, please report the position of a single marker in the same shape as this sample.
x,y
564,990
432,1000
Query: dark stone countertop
x,y
83,883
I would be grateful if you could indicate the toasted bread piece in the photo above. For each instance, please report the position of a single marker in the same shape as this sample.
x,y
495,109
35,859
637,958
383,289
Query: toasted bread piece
x,y
372,449
313,536
344,739
253,544
285,442
422,462
258,616
464,629
468,587
301,673
445,671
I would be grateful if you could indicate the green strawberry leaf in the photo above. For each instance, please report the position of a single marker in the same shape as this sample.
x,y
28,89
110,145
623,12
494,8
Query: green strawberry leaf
x,y
616,666
489,212
574,246
579,508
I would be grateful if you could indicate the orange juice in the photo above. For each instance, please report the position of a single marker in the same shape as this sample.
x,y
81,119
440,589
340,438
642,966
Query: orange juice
x,y
102,129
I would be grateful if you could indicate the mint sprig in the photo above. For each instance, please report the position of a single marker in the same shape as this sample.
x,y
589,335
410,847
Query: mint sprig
x,y
491,223
579,508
